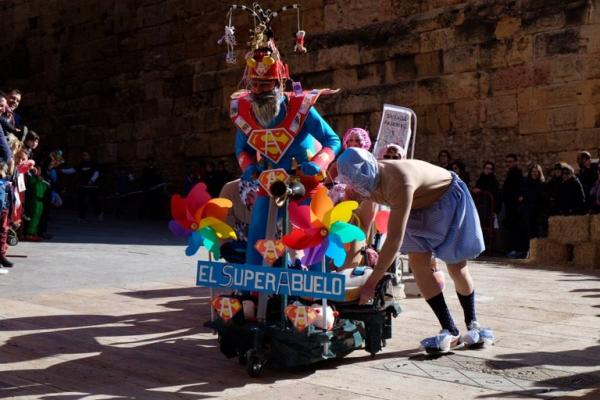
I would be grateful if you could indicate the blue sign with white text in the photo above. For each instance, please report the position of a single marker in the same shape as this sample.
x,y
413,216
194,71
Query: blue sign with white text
x,y
256,278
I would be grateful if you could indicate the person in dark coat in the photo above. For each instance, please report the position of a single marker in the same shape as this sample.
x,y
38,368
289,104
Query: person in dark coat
x,y
444,159
460,169
571,197
553,186
513,222
588,174
488,182
535,202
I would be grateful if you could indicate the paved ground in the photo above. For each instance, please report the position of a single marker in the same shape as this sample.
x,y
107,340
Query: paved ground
x,y
108,310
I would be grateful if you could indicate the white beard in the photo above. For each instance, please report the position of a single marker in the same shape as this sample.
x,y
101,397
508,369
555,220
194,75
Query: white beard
x,y
267,108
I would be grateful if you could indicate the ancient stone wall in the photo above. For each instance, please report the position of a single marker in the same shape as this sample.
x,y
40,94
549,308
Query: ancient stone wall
x,y
139,81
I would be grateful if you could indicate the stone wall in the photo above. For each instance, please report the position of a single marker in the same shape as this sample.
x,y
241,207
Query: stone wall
x,y
144,80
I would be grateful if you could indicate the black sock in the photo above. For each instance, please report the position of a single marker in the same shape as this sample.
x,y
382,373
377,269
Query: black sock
x,y
468,305
440,308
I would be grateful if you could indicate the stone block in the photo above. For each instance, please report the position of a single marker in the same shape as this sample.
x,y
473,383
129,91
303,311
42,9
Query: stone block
x,y
403,8
400,69
520,50
493,54
591,116
461,59
595,228
554,43
565,68
507,26
437,40
546,251
557,95
537,121
466,115
370,74
435,119
429,64
566,118
509,78
535,22
501,111
338,57
587,255
347,14
590,38
569,229
346,78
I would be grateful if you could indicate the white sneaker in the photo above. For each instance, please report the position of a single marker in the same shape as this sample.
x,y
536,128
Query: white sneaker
x,y
3,271
477,336
442,343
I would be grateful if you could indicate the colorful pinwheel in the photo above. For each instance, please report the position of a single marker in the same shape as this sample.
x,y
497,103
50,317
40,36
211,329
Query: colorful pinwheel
x,y
200,219
322,229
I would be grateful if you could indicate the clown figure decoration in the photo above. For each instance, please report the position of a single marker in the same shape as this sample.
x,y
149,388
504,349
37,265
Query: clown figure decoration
x,y
277,129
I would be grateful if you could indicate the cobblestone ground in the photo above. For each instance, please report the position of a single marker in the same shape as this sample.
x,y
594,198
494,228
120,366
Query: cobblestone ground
x,y
108,310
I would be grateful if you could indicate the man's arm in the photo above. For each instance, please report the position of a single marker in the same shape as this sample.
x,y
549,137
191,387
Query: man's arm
x,y
324,134
245,154
395,234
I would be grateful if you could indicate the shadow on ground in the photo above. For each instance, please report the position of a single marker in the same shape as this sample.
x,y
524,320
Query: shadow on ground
x,y
587,357
129,356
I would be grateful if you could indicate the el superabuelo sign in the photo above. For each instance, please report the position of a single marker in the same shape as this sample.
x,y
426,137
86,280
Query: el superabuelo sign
x,y
256,278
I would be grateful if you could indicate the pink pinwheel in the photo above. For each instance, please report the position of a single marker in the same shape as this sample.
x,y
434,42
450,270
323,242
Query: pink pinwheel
x,y
200,219
322,229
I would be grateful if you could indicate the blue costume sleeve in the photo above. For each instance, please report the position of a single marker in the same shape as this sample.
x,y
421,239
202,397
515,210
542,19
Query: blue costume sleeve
x,y
321,131
241,143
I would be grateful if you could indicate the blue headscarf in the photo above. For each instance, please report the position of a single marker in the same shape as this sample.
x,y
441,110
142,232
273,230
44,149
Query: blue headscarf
x,y
358,169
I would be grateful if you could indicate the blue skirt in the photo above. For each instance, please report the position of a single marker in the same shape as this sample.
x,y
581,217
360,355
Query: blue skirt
x,y
449,228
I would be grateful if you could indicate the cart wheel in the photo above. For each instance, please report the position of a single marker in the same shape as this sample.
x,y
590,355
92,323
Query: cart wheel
x,y
13,241
254,364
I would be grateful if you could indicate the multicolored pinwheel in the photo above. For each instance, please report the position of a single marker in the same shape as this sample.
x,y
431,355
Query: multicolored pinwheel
x,y
200,219
322,229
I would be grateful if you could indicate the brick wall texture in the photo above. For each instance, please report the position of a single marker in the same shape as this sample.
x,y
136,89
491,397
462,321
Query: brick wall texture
x,y
136,80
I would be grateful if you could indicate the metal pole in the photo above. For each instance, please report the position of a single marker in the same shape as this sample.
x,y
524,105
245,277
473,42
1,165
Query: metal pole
x,y
326,345
211,291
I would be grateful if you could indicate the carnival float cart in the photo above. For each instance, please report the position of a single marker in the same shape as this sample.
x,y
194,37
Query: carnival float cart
x,y
279,314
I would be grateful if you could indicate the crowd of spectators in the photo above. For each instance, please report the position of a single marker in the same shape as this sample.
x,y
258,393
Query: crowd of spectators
x,y
520,206
30,181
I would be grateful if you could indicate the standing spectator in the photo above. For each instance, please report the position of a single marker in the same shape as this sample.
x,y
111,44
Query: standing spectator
x,y
13,97
5,152
571,198
460,169
488,182
193,176
512,196
31,142
88,176
211,179
588,174
445,159
221,175
153,187
553,186
535,202
34,204
595,194
7,120
5,189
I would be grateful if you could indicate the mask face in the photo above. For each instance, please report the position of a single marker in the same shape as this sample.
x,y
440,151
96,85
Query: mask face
x,y
358,169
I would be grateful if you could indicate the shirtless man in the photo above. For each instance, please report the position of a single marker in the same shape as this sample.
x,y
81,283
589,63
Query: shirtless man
x,y
432,210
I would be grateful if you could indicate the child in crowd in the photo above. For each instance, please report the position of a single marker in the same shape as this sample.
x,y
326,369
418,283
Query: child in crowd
x,y
5,188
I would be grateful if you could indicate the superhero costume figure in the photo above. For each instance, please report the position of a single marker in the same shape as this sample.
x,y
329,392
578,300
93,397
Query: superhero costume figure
x,y
275,128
